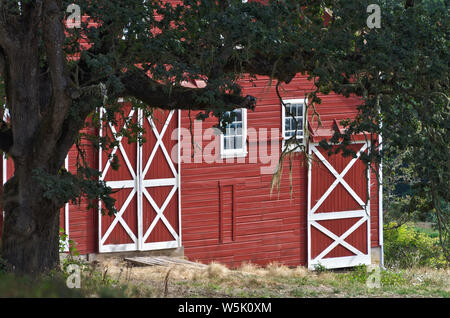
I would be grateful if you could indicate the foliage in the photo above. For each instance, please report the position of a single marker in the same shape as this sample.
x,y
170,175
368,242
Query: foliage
x,y
319,268
94,283
405,247
361,274
3,267
68,250
13,286
399,203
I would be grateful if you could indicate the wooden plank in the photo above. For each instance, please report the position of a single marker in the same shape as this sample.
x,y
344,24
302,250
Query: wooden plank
x,y
161,261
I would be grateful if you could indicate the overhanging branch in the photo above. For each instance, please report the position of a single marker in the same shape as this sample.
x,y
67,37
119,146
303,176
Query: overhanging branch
x,y
139,85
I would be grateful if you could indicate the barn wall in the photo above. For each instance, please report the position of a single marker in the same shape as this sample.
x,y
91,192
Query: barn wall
x,y
374,213
249,223
267,227
82,218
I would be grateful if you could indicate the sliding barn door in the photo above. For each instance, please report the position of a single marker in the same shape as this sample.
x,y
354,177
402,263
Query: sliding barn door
x,y
338,209
146,186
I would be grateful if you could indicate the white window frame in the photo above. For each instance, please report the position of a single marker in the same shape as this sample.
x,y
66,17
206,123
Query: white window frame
x,y
240,152
303,101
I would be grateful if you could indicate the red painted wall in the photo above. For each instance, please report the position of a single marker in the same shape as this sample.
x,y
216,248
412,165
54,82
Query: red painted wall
x,y
83,220
253,224
268,227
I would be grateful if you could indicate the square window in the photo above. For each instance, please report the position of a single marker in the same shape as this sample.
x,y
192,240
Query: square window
x,y
233,140
293,119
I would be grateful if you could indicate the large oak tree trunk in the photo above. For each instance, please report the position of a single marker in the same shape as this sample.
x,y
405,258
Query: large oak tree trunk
x,y
30,235
38,104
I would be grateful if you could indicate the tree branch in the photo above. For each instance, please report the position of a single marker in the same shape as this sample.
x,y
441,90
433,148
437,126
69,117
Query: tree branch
x,y
139,85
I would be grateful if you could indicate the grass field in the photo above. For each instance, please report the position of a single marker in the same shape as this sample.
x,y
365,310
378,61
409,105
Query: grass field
x,y
116,278
274,281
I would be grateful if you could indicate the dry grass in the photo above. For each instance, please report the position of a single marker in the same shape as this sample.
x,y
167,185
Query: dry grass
x,y
274,280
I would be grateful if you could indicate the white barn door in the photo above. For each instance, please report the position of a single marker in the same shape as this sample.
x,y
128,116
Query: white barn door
x,y
146,187
338,209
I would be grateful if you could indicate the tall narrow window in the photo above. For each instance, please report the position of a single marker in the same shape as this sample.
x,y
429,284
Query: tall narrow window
x,y
233,141
293,119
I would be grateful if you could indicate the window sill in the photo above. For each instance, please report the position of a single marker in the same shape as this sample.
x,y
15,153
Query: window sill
x,y
293,146
240,154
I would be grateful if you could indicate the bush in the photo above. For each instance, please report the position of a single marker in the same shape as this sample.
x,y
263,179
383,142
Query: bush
x,y
361,274
13,286
54,285
405,247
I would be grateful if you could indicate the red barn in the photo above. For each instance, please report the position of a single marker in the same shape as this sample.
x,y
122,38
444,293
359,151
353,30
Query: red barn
x,y
214,199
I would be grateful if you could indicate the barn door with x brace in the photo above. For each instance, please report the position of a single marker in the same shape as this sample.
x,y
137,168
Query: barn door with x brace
x,y
338,209
146,187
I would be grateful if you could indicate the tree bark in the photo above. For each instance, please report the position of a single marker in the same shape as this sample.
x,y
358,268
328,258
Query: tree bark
x,y
30,236
30,242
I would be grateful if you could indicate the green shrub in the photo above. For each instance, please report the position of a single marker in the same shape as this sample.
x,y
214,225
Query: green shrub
x,y
54,286
405,247
361,274
2,265
319,268
389,278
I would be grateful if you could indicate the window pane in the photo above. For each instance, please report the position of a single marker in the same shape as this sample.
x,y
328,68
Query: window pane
x,y
290,110
287,124
300,110
295,110
235,126
228,143
238,142
238,113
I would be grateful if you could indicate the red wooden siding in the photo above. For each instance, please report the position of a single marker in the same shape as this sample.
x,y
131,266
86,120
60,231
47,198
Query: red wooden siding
x,y
83,220
7,168
228,213
374,209
267,227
